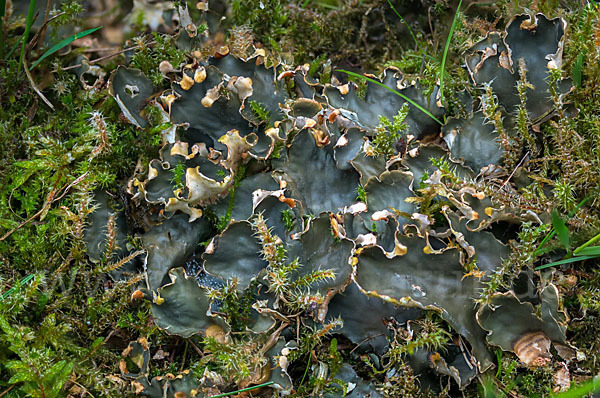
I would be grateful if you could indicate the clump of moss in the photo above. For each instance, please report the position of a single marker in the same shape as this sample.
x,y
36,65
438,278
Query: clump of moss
x,y
151,51
389,132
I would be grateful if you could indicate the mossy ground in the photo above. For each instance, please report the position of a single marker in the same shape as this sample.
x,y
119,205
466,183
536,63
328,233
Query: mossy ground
x,y
64,330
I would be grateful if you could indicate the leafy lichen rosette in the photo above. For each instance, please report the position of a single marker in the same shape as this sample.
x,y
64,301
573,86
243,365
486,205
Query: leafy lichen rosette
x,y
315,224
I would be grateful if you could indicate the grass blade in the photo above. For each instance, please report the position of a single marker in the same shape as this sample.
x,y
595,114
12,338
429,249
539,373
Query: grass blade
x,y
406,24
589,251
561,229
553,232
577,66
543,242
15,287
63,43
12,50
565,261
28,23
2,9
413,103
581,390
586,244
227,394
443,66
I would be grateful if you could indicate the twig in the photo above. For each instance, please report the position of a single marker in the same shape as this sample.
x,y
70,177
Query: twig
x,y
7,390
71,185
45,25
35,37
365,340
117,53
515,169
185,349
85,389
101,49
51,199
464,350
195,347
46,205
101,58
37,90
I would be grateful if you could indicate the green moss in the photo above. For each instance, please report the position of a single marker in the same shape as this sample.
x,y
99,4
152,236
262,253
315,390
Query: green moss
x,y
288,219
361,194
178,176
389,132
57,323
261,113
151,51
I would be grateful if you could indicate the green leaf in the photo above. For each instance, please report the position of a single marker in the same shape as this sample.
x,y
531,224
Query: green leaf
x,y
589,251
28,23
561,229
413,103
228,394
2,8
577,66
582,390
97,343
566,261
57,375
586,244
15,287
443,66
63,43
23,375
553,232
405,24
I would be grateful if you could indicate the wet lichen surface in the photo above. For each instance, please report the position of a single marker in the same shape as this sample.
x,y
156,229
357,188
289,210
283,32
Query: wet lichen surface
x,y
328,199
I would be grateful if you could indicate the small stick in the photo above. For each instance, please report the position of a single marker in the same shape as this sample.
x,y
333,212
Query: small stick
x,y
51,199
117,53
7,390
37,90
515,170
185,349
101,58
365,340
35,37
93,50
195,347
45,25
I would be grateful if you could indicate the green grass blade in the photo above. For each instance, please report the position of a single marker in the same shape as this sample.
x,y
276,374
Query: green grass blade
x,y
566,261
589,251
561,229
63,43
2,9
443,66
543,242
586,244
576,209
406,24
28,23
553,232
15,287
581,390
410,101
577,66
12,50
227,394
